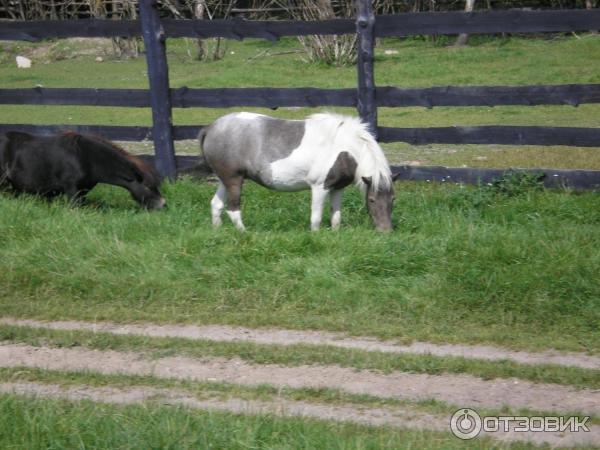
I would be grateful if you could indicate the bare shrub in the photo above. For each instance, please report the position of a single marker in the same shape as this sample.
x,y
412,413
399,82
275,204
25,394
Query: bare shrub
x,y
329,49
210,49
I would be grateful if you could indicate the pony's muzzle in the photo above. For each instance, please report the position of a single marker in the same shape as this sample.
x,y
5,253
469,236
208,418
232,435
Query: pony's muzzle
x,y
161,203
385,228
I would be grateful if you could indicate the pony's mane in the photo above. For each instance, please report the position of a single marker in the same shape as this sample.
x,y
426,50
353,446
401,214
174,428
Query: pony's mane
x,y
148,171
367,152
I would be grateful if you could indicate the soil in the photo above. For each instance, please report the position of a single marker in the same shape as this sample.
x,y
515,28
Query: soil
x,y
458,390
293,337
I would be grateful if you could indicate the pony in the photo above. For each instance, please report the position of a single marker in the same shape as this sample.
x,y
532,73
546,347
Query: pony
x,y
324,153
72,164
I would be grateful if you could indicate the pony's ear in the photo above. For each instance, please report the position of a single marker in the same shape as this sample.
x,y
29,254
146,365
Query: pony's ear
x,y
367,180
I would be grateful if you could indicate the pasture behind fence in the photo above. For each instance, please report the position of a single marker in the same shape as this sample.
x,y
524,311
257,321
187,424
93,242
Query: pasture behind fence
x,y
366,98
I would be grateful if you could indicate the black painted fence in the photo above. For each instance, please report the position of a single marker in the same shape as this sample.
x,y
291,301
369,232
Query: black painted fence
x,y
385,96
366,98
407,24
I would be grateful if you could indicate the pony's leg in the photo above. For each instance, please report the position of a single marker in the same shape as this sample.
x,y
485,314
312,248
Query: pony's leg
x,y
336,208
217,204
319,195
234,194
76,196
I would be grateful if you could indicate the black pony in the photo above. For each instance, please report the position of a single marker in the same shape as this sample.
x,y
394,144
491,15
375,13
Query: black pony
x,y
73,164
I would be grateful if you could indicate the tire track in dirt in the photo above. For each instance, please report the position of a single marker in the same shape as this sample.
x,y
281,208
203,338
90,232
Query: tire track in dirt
x,y
221,333
459,390
399,417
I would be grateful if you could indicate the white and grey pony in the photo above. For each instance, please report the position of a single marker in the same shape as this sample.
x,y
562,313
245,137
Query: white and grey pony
x,y
325,152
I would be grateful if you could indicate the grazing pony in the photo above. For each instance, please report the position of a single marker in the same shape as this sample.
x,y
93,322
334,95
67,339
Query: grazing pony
x,y
325,153
73,164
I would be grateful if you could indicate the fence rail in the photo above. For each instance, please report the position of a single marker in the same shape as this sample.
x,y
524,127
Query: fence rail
x,y
501,135
496,134
551,178
115,132
366,98
407,24
385,96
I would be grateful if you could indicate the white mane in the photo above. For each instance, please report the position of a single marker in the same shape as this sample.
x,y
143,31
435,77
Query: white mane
x,y
359,142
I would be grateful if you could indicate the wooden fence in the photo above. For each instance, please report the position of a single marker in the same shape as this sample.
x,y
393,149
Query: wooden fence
x,y
366,98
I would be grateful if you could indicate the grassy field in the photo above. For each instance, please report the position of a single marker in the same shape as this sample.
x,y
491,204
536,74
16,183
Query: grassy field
x,y
512,265
463,265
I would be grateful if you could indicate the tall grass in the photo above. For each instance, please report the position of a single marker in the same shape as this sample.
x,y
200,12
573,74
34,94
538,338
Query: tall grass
x,y
54,424
463,264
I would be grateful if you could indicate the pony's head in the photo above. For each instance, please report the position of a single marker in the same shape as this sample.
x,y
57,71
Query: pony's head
x,y
374,177
119,167
380,201
145,185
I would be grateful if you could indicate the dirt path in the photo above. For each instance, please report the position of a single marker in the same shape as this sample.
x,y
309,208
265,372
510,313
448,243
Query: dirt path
x,y
292,337
402,417
459,390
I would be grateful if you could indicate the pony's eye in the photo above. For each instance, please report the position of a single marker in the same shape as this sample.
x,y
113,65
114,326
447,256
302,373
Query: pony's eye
x,y
372,200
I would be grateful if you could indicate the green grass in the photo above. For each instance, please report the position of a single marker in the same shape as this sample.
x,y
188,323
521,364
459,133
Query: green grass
x,y
419,63
512,61
37,423
463,265
502,156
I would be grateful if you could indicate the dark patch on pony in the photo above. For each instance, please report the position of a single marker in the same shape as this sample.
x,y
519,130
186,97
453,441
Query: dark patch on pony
x,y
342,173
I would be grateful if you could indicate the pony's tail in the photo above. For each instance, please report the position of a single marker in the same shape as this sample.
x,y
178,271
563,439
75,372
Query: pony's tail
x,y
201,137
201,168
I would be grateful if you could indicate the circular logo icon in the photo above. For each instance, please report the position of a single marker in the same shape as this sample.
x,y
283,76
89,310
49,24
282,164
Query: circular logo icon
x,y
465,423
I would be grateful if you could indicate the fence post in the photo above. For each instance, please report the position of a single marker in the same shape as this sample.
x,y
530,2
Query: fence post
x,y
158,76
365,25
